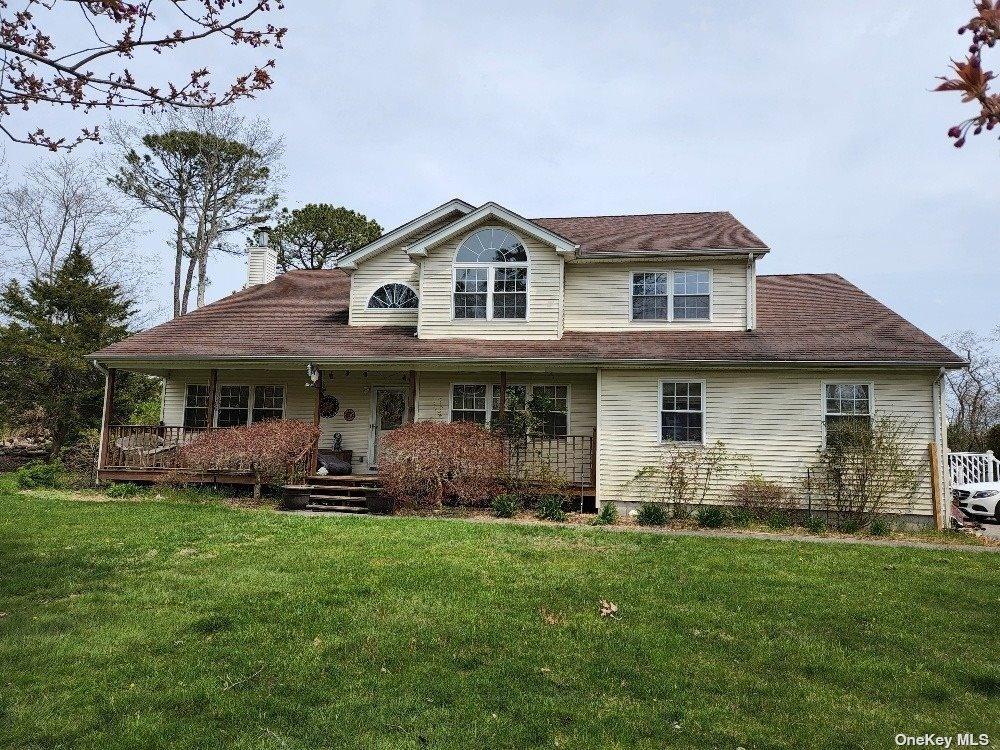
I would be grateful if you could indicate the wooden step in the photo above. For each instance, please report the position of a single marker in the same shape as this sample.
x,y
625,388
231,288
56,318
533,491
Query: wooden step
x,y
318,507
319,497
345,487
360,479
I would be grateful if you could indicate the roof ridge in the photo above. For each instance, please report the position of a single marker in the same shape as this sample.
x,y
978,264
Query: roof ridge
x,y
789,275
630,216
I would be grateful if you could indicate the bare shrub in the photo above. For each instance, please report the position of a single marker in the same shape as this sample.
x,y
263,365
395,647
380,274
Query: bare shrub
x,y
762,498
272,451
866,466
684,475
430,463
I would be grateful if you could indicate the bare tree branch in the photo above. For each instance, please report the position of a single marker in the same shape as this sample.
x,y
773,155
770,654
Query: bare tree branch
x,y
32,72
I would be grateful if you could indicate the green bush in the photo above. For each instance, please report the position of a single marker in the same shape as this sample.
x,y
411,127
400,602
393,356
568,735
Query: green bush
x,y
816,524
712,517
123,490
506,505
778,520
550,508
651,514
880,527
741,517
608,516
37,475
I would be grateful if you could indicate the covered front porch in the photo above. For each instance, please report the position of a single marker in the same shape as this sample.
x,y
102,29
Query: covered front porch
x,y
353,406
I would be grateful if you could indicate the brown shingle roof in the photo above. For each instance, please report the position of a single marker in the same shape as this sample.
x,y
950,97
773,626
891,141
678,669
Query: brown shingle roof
x,y
303,315
653,234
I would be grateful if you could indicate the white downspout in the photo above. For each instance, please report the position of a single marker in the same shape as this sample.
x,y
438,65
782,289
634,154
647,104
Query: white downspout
x,y
751,295
941,445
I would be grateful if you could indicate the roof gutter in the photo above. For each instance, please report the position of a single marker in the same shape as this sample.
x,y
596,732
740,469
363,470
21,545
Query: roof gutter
x,y
467,362
658,255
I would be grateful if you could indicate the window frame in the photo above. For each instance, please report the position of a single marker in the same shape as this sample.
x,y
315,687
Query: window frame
x,y
491,269
251,401
660,410
529,388
569,406
488,402
671,272
822,402
368,303
208,415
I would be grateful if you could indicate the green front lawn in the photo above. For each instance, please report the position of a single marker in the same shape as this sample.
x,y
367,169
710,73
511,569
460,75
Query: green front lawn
x,y
171,624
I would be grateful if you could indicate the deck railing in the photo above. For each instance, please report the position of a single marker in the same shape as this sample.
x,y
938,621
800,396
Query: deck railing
x,y
968,468
569,458
158,448
144,447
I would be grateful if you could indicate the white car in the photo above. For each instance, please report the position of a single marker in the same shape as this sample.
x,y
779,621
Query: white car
x,y
980,500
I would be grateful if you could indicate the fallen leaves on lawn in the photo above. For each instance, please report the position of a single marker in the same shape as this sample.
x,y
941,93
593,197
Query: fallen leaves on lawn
x,y
552,618
608,609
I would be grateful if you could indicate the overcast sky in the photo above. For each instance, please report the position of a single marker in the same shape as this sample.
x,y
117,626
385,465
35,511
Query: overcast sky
x,y
811,122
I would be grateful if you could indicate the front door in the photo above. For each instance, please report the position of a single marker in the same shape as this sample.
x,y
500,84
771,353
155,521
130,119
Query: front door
x,y
388,413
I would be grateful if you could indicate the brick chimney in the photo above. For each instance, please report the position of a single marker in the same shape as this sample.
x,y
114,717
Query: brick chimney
x,y
262,259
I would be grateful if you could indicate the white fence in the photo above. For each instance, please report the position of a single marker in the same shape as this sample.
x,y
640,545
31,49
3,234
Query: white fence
x,y
967,468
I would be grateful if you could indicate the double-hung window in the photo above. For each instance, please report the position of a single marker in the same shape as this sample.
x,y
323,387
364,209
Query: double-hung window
x,y
470,403
515,394
682,411
196,405
480,403
555,419
268,402
672,295
847,411
491,277
240,404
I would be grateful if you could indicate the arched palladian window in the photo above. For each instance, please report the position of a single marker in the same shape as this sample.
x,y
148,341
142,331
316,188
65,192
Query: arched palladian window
x,y
491,276
393,297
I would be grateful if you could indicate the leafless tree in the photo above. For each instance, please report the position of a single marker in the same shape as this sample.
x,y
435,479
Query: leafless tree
x,y
974,393
212,173
61,203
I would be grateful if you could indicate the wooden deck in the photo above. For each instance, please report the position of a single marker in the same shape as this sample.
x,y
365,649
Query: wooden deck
x,y
154,453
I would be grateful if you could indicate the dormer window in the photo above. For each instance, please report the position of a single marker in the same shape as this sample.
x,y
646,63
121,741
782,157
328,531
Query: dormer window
x,y
672,295
393,297
491,276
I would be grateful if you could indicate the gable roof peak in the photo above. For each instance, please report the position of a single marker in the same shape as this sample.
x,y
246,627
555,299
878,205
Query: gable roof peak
x,y
393,236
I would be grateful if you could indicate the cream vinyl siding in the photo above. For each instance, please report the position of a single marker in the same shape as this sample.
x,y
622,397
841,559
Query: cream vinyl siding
x,y
353,390
599,296
544,296
391,266
775,417
299,400
434,394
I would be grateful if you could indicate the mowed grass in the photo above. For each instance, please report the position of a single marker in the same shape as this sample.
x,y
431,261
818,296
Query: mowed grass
x,y
165,624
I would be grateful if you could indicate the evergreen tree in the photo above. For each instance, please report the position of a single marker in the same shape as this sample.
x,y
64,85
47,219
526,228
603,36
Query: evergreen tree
x,y
52,324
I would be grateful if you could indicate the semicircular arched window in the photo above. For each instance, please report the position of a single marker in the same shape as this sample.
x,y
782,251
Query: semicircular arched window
x,y
492,245
491,276
393,297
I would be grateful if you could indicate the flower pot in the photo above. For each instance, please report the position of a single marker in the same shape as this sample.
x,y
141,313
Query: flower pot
x,y
295,496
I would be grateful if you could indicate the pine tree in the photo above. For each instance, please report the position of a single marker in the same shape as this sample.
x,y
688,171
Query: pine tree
x,y
52,325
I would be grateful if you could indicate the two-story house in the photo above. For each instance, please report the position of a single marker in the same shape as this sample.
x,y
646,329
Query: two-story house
x,y
644,331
